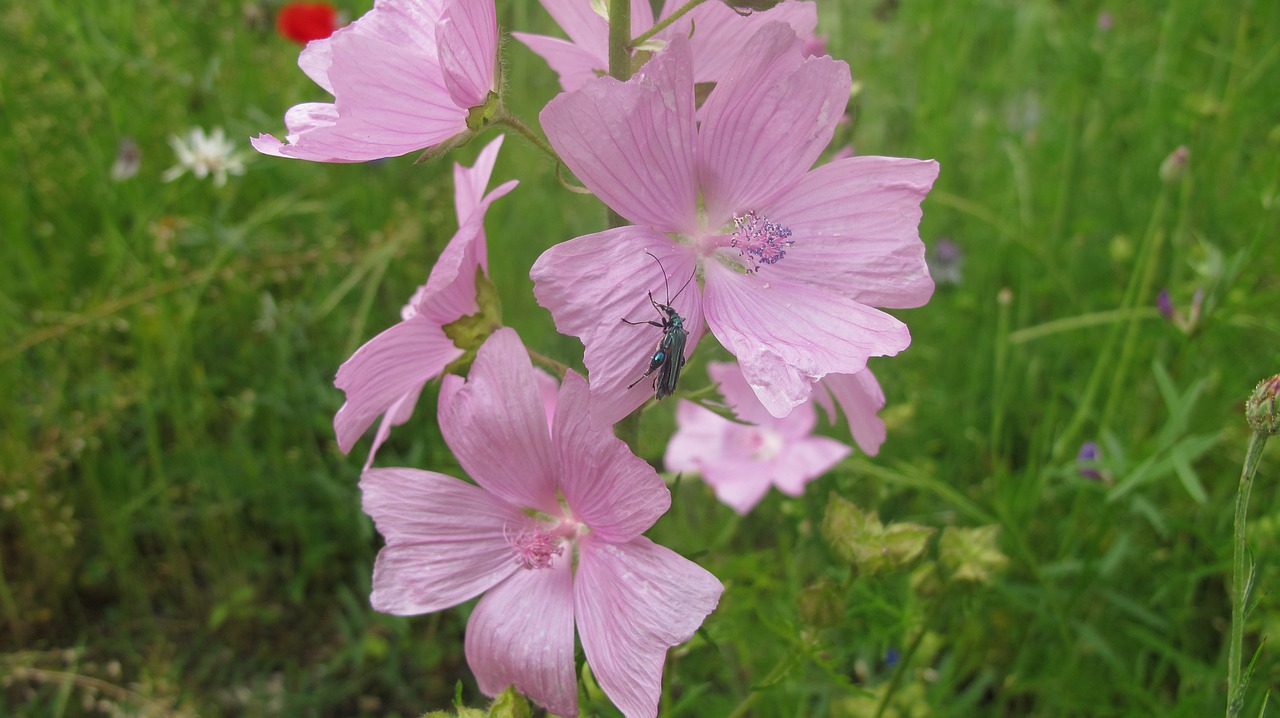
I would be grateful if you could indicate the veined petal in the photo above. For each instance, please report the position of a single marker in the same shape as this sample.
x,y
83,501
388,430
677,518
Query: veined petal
x,y
591,283
612,490
573,63
631,143
395,415
767,122
718,34
521,634
856,227
468,40
635,600
446,539
739,395
390,101
407,23
497,428
393,364
787,335
860,398
469,183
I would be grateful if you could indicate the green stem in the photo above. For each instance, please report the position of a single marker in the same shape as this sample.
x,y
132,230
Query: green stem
x,y
1240,574
665,22
783,668
620,39
907,655
515,123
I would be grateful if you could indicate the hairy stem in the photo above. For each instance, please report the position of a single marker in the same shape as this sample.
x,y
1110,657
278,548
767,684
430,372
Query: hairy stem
x,y
665,22
1240,573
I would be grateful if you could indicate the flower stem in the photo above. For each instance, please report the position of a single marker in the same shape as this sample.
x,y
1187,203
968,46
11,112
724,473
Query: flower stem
x,y
559,368
620,39
515,123
1240,576
779,671
665,22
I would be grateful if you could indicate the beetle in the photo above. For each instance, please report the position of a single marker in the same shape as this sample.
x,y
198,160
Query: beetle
x,y
668,355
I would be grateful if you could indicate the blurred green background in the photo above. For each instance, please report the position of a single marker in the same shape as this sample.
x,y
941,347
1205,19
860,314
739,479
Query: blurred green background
x,y
179,534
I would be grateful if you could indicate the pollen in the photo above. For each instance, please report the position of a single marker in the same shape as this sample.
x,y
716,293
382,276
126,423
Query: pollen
x,y
758,240
534,548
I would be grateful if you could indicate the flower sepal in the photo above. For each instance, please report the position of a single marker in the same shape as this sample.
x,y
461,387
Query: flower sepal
x,y
469,332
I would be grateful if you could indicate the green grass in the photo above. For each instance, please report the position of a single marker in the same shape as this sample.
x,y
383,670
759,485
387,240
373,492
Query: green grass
x,y
176,520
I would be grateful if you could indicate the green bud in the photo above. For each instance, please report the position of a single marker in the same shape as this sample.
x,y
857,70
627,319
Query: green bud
x,y
821,605
481,116
510,704
1262,409
971,554
869,545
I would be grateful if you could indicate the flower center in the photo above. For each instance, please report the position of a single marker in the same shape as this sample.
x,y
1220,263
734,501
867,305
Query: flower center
x,y
535,547
758,240
763,444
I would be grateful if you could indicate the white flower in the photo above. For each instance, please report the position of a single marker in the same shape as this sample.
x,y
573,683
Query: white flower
x,y
205,155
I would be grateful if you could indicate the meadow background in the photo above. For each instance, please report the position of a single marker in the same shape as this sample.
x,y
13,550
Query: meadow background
x,y
179,534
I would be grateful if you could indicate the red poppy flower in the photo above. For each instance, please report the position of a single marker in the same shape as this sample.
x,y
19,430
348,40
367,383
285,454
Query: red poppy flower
x,y
303,22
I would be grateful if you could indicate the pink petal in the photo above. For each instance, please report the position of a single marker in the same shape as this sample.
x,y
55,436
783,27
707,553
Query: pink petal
x,y
521,634
855,224
860,399
591,283
803,460
469,183
767,123
549,389
468,42
573,63
787,335
398,413
390,100
612,490
739,483
407,23
632,143
391,365
446,539
739,395
634,601
495,425
718,32
699,440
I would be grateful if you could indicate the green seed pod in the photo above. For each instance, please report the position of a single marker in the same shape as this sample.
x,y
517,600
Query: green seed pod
x,y
1262,409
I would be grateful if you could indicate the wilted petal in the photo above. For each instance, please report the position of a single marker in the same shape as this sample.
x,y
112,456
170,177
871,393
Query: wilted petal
x,y
521,634
766,124
496,426
631,143
446,539
607,487
855,224
468,42
591,283
787,335
633,602
393,364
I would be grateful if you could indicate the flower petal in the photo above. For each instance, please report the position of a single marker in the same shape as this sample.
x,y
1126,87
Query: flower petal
x,y
716,32
396,414
469,183
496,426
768,122
406,23
446,539
575,64
521,634
787,335
632,143
634,601
803,460
855,224
393,364
612,490
468,40
699,439
860,398
591,283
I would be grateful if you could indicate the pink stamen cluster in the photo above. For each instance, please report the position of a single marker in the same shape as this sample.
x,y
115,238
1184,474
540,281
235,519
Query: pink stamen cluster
x,y
535,548
758,240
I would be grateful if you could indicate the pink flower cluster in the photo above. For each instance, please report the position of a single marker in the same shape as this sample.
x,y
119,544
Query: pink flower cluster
x,y
788,263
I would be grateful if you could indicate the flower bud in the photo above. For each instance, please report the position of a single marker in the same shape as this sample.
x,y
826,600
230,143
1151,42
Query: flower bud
x,y
1174,167
869,545
971,554
821,605
1262,409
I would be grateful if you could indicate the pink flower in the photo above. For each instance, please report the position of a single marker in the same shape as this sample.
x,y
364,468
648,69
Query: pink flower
x,y
404,77
741,461
715,33
550,533
385,376
861,399
792,259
